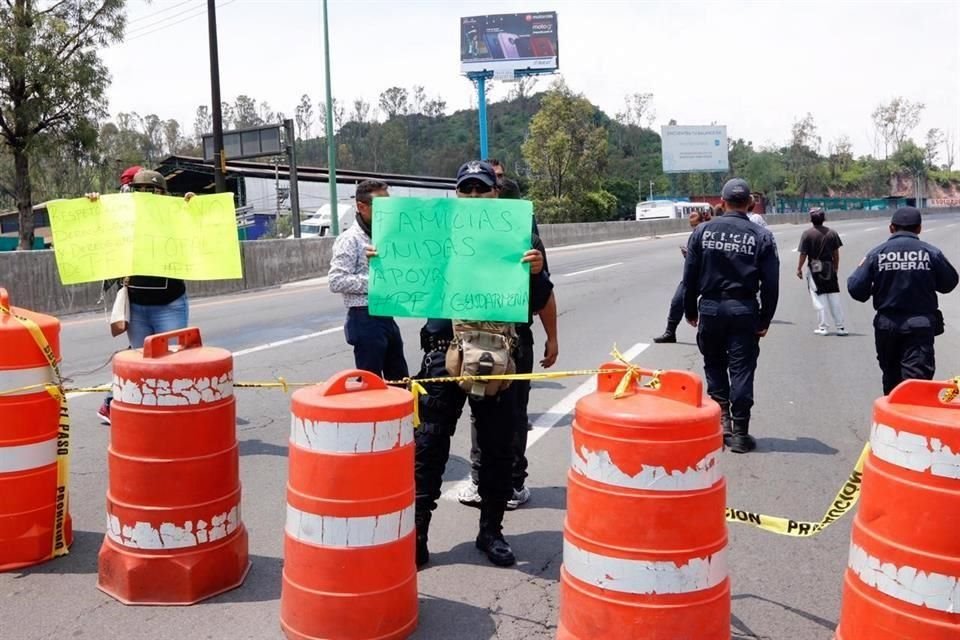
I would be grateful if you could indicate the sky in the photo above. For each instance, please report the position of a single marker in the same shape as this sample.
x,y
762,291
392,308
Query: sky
x,y
755,67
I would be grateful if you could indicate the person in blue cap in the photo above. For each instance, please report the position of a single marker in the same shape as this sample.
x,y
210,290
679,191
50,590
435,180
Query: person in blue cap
x,y
731,279
903,276
492,408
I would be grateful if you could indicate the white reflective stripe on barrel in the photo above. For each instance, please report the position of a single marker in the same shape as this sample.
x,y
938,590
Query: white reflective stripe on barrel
x,y
914,452
907,584
151,392
644,577
28,456
363,531
11,379
599,467
350,437
173,535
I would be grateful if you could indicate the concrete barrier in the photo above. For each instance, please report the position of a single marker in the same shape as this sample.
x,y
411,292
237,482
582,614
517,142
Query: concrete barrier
x,y
32,279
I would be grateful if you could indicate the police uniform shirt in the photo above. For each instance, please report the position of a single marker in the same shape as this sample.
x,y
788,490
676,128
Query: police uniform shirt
x,y
903,275
730,257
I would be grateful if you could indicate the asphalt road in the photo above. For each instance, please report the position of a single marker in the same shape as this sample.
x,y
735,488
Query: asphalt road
x,y
814,396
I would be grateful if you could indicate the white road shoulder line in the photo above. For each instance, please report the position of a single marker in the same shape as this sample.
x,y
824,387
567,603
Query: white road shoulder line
x,y
591,270
555,414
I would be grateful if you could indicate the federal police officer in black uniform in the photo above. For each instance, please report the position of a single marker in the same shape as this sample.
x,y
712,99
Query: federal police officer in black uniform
x,y
904,275
441,407
731,260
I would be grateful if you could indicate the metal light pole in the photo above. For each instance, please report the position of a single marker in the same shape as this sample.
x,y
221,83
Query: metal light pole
x,y
331,144
219,162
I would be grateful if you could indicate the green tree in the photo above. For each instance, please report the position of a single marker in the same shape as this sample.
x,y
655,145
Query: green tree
x,y
566,150
627,194
393,102
52,80
245,113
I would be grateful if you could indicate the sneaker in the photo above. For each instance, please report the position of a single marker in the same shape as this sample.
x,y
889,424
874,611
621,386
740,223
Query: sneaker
x,y
520,496
667,337
470,495
820,331
104,413
496,548
841,331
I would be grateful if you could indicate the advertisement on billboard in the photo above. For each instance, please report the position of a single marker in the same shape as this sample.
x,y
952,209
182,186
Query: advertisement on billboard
x,y
509,42
688,149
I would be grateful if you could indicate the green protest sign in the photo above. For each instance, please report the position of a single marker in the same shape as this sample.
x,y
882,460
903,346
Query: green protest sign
x,y
451,258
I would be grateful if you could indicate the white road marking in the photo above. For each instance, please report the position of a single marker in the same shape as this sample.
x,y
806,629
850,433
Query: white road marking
x,y
555,414
256,349
591,270
871,229
286,341
306,283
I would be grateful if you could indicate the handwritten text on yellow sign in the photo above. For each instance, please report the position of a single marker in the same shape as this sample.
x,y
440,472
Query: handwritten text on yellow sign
x,y
145,234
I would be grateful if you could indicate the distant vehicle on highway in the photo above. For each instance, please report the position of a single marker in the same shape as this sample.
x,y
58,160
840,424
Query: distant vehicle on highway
x,y
668,209
318,224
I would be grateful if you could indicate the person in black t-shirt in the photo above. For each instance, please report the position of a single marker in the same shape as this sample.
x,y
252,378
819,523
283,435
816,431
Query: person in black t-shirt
x,y
820,248
157,304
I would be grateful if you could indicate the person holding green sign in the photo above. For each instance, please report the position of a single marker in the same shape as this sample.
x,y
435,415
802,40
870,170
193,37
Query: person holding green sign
x,y
376,340
492,403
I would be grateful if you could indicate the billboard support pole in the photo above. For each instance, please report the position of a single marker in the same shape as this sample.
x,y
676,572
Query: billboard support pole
x,y
480,78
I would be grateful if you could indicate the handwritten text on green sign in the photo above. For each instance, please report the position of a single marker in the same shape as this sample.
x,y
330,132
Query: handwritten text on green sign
x,y
451,258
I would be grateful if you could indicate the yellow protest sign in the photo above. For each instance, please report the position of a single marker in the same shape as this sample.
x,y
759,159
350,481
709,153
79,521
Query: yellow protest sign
x,y
144,234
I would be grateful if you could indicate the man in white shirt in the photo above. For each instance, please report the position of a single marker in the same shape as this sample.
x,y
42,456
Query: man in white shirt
x,y
755,218
376,340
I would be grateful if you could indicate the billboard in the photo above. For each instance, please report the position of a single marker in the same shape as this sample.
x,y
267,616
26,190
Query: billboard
x,y
689,149
509,42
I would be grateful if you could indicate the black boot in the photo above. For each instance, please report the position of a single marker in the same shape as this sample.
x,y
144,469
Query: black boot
x,y
490,539
667,337
423,525
726,423
742,441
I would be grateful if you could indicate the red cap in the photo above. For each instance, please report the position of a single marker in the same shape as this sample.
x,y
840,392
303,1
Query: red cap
x,y
127,176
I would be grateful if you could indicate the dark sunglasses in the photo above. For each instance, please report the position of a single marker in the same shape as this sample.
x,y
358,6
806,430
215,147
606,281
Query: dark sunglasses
x,y
474,187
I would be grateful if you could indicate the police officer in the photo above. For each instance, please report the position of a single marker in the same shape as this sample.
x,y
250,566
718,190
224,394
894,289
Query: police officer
x,y
442,405
731,260
904,275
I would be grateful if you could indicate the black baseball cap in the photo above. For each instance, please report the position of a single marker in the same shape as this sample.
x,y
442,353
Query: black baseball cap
x,y
477,170
906,217
736,190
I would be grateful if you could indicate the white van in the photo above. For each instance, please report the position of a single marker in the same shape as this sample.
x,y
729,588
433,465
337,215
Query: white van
x,y
318,224
668,209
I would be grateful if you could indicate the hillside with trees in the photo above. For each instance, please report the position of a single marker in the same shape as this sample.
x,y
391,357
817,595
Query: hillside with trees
x,y
574,160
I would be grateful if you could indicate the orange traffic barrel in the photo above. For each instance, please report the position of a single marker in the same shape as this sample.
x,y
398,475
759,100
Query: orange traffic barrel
x,y
174,533
33,502
903,573
644,542
349,569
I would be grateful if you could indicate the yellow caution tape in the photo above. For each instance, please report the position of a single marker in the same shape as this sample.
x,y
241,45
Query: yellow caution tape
x,y
59,542
951,394
844,502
